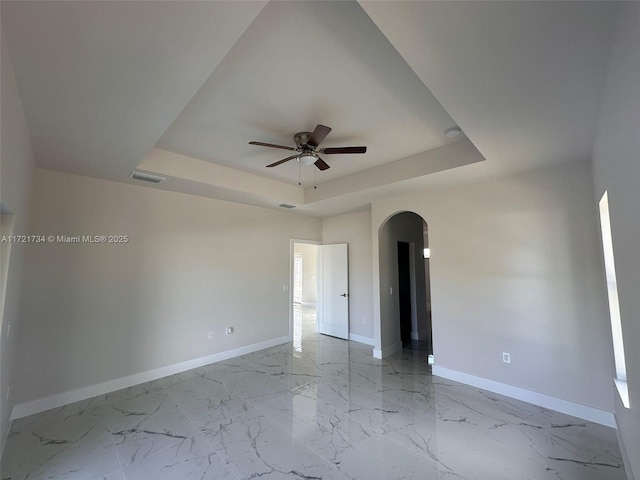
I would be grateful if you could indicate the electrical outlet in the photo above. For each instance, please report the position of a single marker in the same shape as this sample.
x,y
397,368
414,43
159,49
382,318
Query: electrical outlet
x,y
229,330
364,320
210,335
506,357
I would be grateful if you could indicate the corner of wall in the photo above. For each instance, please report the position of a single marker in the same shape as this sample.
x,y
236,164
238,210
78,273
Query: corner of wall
x,y
17,163
628,466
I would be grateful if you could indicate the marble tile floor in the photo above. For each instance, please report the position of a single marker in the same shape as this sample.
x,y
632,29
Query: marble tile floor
x,y
327,411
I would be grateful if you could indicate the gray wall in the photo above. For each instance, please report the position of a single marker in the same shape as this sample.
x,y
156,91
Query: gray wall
x,y
616,167
16,171
355,229
515,267
98,312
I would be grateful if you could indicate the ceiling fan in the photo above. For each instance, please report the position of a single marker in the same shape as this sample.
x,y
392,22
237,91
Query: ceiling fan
x,y
307,148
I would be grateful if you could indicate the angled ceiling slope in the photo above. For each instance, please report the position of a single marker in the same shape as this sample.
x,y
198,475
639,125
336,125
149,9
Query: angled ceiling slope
x,y
100,82
524,80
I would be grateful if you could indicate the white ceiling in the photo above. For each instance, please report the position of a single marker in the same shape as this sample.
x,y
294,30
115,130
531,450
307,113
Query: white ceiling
x,y
300,64
179,88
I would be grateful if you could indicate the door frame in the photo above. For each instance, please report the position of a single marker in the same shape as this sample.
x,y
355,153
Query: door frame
x,y
292,243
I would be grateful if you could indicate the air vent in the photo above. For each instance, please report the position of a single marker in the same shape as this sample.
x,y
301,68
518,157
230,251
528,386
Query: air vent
x,y
286,205
145,177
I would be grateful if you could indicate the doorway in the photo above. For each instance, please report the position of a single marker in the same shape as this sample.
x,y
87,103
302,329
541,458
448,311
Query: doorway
x,y
304,291
404,293
405,296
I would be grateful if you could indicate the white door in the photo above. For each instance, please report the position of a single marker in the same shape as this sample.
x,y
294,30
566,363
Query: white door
x,y
333,298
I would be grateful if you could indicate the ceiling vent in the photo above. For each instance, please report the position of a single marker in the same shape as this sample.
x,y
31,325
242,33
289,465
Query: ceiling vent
x,y
286,205
145,177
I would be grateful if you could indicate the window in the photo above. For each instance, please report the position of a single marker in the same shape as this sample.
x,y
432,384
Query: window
x,y
614,306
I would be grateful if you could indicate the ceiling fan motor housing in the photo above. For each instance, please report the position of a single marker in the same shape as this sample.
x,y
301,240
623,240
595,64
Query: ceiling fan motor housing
x,y
301,139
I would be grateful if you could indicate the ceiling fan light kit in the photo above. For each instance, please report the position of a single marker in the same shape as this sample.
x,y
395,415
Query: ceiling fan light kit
x,y
307,147
307,158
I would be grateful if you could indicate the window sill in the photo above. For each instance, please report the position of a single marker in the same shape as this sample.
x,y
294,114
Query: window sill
x,y
623,391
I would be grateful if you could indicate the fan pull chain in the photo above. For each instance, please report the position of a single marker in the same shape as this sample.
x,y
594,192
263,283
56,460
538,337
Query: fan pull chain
x,y
315,176
299,173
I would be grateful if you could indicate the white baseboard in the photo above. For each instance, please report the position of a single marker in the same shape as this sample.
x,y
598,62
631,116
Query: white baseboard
x,y
547,401
362,339
388,350
54,401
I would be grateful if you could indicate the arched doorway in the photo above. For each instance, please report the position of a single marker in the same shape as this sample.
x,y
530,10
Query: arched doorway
x,y
404,282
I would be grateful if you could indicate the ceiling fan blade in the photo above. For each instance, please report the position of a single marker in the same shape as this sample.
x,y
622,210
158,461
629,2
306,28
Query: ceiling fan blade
x,y
262,144
331,151
282,161
321,164
318,135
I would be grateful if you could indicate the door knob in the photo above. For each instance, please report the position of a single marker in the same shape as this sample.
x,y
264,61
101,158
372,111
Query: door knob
x,y
345,295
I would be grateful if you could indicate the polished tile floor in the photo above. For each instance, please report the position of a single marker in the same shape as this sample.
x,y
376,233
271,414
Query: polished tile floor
x,y
323,409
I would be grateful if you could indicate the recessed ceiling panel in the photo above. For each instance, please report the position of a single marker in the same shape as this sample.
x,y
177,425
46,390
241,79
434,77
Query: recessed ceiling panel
x,y
300,64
